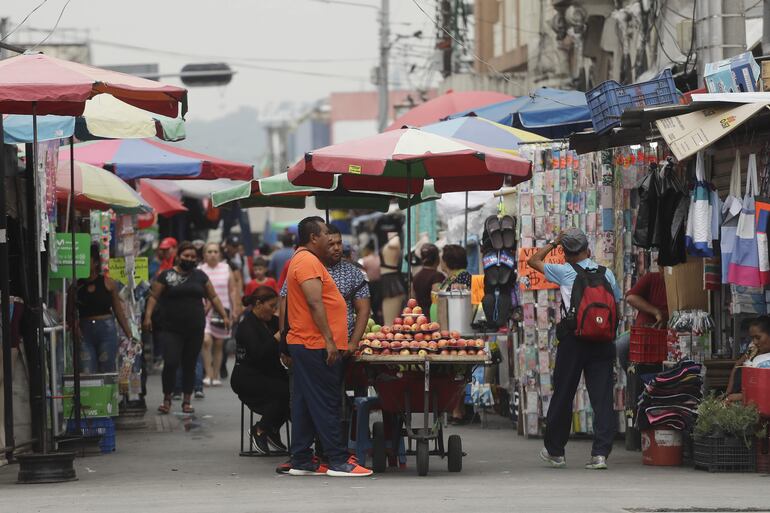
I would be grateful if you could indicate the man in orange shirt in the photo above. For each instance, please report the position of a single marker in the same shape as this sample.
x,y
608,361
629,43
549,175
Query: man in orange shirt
x,y
317,337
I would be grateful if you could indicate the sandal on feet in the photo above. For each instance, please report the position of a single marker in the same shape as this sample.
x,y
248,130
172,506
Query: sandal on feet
x,y
165,407
186,408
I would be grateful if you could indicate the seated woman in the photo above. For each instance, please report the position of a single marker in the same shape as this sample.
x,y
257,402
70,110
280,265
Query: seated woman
x,y
258,378
759,331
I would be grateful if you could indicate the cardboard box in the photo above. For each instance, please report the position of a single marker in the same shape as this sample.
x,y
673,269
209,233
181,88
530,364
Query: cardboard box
x,y
98,395
689,133
684,286
734,75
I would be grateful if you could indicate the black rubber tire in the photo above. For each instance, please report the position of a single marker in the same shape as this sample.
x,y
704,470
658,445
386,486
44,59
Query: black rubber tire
x,y
455,453
379,458
423,453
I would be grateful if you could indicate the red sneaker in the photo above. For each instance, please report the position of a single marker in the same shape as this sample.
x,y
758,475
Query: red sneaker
x,y
313,469
349,469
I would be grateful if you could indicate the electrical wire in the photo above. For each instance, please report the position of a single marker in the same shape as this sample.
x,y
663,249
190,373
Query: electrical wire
x,y
64,8
17,27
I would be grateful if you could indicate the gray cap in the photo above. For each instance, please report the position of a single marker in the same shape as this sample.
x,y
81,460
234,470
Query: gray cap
x,y
574,241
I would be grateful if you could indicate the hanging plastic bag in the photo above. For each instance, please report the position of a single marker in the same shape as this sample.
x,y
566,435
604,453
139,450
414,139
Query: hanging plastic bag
x,y
698,236
731,209
746,268
648,208
762,216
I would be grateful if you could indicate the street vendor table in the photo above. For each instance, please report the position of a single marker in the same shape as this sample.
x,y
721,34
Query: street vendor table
x,y
424,384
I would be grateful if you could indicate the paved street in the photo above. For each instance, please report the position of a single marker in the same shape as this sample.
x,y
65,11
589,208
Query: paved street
x,y
171,467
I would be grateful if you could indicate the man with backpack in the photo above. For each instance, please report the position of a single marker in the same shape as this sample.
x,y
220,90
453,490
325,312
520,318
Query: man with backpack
x,y
585,346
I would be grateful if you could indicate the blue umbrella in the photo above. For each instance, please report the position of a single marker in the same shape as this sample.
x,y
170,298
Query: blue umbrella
x,y
552,113
18,128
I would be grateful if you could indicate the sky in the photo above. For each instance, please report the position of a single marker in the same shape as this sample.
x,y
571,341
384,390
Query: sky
x,y
312,36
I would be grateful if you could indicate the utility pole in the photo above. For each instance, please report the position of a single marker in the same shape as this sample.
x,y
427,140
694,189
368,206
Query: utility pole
x,y
765,27
720,31
382,76
446,41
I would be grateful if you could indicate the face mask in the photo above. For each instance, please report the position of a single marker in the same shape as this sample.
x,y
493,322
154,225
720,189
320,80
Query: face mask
x,y
187,265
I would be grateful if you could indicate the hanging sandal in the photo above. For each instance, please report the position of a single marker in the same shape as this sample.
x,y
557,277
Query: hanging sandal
x,y
165,408
186,408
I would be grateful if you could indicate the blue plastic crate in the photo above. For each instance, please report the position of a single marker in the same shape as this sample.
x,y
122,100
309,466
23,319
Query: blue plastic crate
x,y
96,426
609,99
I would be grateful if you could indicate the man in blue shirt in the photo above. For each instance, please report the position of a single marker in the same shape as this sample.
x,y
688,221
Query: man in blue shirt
x,y
575,357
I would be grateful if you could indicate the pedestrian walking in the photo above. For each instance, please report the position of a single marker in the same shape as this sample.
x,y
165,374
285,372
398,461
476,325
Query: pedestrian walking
x,y
180,291
316,316
98,304
225,284
586,333
429,275
258,378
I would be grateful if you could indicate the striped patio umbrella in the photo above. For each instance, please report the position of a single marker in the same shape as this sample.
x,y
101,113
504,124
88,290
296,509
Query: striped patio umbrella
x,y
483,131
97,188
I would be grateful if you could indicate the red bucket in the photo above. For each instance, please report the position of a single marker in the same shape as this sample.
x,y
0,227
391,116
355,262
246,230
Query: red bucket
x,y
662,447
648,345
756,388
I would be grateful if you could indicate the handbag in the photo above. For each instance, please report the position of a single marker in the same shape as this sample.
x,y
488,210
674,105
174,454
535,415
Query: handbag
x,y
698,235
216,320
746,268
648,208
731,209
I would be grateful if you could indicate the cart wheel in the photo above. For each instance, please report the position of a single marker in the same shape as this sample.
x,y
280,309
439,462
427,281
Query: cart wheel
x,y
423,451
379,462
455,453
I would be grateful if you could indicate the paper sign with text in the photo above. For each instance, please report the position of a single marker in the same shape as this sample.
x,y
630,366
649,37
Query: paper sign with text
x,y
118,270
530,279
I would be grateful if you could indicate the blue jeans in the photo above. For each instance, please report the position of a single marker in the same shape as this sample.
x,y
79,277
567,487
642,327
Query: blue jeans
x,y
198,376
98,345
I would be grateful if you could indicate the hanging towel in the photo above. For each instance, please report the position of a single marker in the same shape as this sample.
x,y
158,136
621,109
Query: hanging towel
x,y
746,268
698,236
731,208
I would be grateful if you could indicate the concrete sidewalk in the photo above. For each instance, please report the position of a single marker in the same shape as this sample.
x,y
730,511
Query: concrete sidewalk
x,y
193,466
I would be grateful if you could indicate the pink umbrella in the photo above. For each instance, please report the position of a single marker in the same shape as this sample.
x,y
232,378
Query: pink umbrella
x,y
445,105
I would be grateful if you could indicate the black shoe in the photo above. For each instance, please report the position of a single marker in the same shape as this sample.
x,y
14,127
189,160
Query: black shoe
x,y
259,443
275,443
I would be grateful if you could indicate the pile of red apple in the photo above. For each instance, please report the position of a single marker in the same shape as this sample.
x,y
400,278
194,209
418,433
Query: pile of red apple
x,y
413,334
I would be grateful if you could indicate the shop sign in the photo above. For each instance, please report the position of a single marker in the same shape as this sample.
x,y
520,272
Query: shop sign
x,y
118,270
63,267
530,279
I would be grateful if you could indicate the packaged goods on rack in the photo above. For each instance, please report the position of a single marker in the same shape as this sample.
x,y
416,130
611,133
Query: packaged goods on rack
x,y
597,193
690,336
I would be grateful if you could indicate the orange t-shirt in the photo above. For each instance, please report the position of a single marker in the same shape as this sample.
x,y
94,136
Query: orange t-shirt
x,y
304,266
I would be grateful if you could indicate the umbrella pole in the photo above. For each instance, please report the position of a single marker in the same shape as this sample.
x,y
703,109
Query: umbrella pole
x,y
327,216
5,304
465,236
75,338
408,229
37,302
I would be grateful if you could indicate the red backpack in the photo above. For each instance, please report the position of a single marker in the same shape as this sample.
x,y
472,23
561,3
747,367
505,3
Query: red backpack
x,y
593,311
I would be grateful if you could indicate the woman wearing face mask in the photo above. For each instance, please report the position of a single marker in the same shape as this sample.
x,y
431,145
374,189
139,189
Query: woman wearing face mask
x,y
180,292
259,379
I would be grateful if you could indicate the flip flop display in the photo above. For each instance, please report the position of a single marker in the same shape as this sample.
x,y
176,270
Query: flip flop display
x,y
508,226
499,262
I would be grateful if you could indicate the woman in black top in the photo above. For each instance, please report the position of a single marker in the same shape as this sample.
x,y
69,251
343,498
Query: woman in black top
x,y
180,292
258,378
98,304
423,281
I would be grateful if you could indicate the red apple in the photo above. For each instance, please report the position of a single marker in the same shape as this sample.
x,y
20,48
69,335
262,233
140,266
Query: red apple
x,y
415,327
434,326
479,343
462,343
367,350
407,310
481,352
421,319
379,335
455,334
442,343
411,303
376,344
444,334
462,352
408,320
398,336
471,352
444,352
425,327
436,335
453,352
424,344
414,344
385,352
397,328
386,329
363,343
404,352
397,321
452,342
419,336
370,336
395,345
433,345
390,336
416,310
385,344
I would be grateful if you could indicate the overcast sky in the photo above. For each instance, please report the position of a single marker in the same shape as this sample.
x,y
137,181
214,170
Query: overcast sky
x,y
258,33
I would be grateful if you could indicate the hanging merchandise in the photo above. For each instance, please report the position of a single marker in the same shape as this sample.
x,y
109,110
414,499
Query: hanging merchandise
x,y
731,209
690,335
648,208
746,268
699,235
671,221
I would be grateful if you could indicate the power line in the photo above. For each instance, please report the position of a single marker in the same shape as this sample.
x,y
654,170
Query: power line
x,y
54,27
102,42
17,27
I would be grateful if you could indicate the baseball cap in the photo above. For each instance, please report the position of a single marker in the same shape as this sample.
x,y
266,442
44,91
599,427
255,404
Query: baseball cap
x,y
574,241
168,243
